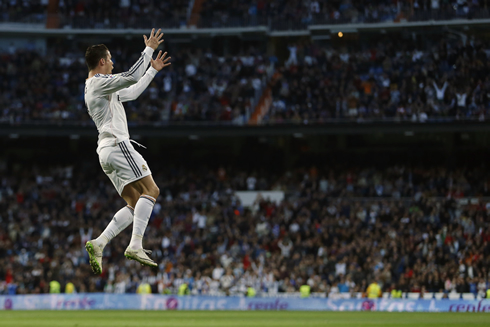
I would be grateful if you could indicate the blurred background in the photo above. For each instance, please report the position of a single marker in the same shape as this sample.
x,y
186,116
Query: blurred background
x,y
329,144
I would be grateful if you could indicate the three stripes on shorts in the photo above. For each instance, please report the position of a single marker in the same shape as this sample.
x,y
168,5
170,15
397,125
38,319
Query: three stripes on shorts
x,y
130,159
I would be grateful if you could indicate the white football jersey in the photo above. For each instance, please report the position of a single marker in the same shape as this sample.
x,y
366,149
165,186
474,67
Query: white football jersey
x,y
104,95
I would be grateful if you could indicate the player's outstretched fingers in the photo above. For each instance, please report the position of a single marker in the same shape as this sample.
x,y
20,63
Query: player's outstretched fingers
x,y
152,33
145,38
158,34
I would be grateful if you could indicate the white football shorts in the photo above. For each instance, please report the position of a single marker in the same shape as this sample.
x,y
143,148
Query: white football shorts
x,y
123,164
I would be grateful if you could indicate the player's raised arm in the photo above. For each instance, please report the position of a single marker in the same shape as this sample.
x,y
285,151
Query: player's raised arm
x,y
108,83
134,91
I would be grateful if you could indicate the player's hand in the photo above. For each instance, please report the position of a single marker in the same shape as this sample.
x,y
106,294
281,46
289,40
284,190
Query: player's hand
x,y
160,62
155,39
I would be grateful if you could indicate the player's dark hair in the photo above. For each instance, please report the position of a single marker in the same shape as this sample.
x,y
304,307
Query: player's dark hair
x,y
93,55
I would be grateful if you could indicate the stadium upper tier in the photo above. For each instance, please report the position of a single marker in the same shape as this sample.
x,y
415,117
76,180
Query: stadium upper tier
x,y
297,14
322,234
198,86
398,81
276,14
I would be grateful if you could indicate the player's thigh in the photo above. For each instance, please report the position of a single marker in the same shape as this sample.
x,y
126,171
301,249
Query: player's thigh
x,y
128,171
146,185
129,163
140,177
106,160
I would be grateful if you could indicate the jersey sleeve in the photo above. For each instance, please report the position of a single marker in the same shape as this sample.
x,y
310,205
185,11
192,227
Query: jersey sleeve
x,y
108,84
134,91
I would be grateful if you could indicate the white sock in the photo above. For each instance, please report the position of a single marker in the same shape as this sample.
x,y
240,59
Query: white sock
x,y
122,219
142,212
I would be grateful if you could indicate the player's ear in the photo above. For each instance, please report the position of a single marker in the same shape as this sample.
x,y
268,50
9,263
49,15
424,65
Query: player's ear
x,y
102,61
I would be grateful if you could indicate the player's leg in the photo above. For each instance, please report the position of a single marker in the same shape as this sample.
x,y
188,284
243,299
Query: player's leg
x,y
149,192
115,165
122,219
131,176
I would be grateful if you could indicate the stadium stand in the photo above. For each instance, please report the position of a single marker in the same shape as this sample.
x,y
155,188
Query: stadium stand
x,y
401,81
422,230
123,14
393,80
95,14
33,11
203,236
277,14
294,15
199,86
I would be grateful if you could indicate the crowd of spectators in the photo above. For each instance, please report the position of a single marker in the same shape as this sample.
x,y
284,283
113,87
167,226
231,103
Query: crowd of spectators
x,y
198,86
99,14
205,87
393,80
31,11
323,234
123,13
295,14
278,14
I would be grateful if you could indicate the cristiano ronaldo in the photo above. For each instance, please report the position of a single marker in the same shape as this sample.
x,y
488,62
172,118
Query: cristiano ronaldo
x,y
126,168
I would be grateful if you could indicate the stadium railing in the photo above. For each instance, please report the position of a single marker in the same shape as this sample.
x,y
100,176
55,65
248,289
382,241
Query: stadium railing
x,y
6,120
207,129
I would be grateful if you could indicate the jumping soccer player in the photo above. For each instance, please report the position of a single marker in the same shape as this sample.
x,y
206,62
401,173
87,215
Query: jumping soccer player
x,y
125,167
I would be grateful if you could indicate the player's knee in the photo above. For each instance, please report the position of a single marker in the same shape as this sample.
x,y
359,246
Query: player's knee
x,y
154,191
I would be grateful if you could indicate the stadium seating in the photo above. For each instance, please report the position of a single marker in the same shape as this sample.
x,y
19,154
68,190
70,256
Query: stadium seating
x,y
379,85
99,14
46,225
277,14
312,87
422,230
33,11
199,86
294,15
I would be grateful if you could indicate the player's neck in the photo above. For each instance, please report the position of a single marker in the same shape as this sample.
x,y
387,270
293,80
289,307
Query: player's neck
x,y
94,72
